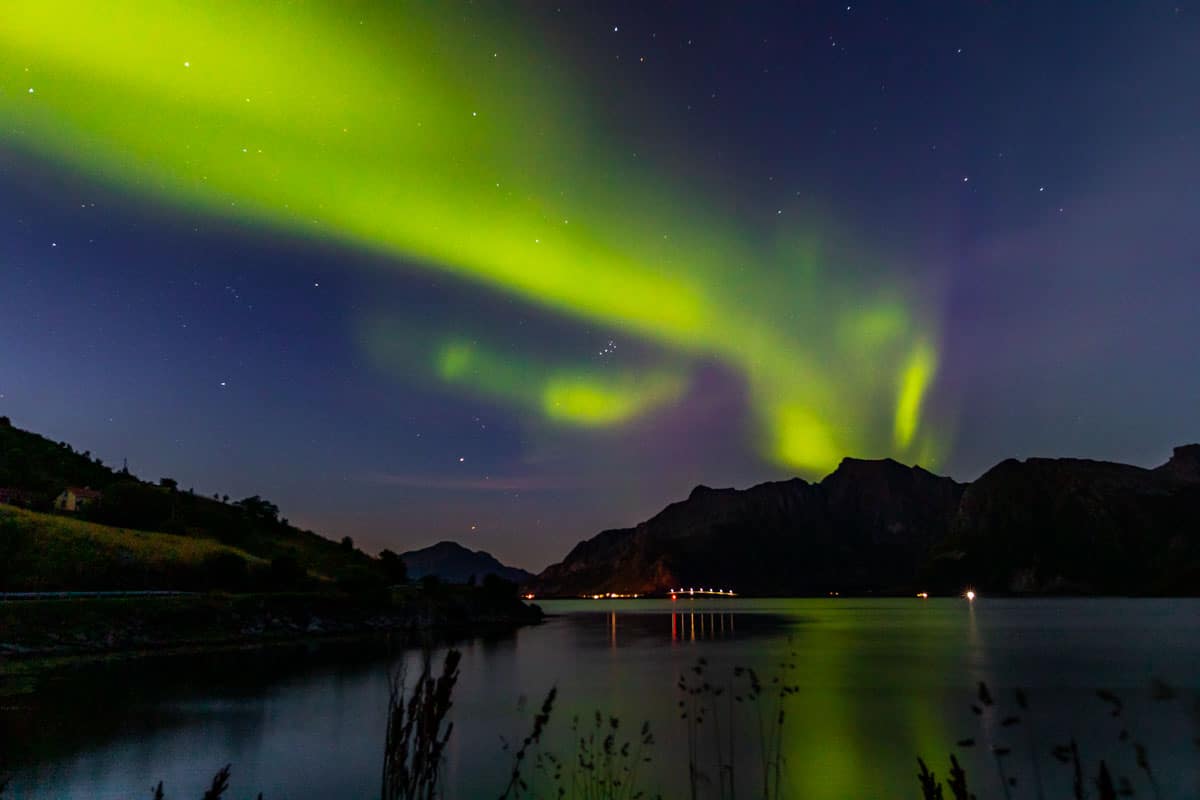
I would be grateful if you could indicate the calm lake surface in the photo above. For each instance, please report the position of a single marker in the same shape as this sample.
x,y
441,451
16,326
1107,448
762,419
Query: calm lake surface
x,y
878,683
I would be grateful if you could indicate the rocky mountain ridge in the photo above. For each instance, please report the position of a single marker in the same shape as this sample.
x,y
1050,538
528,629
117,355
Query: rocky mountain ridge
x,y
1034,526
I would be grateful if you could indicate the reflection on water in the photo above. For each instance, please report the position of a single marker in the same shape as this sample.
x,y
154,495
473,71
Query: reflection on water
x,y
690,625
877,683
712,625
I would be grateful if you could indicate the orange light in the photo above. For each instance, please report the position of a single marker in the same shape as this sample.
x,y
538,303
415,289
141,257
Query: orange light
x,y
923,595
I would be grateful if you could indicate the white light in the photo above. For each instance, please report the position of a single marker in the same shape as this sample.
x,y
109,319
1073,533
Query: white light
x,y
970,594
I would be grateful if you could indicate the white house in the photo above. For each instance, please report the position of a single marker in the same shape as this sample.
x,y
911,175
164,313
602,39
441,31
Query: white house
x,y
74,498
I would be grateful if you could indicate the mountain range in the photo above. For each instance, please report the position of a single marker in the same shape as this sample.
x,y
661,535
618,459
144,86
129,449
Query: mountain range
x,y
1068,526
1038,526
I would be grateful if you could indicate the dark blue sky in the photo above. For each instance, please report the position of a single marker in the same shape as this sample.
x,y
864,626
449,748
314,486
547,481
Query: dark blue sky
x,y
1037,163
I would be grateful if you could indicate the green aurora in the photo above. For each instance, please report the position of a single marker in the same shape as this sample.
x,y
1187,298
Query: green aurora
x,y
449,144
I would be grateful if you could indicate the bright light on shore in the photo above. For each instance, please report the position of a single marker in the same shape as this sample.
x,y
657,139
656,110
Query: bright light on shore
x,y
970,595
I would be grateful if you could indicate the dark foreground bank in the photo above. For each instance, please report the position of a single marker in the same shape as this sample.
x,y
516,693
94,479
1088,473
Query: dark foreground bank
x,y
33,629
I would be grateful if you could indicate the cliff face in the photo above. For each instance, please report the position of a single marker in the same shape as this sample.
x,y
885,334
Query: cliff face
x,y
1041,525
1068,525
779,538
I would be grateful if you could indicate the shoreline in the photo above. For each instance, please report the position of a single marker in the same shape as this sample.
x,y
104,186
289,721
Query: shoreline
x,y
42,635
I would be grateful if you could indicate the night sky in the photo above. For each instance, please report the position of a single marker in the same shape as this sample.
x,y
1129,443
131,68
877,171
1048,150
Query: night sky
x,y
512,274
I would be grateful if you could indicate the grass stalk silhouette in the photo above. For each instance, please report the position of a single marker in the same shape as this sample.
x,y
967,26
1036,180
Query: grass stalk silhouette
x,y
417,731
1107,784
605,766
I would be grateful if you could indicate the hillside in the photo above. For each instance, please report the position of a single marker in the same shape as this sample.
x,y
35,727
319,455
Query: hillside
x,y
454,563
34,463
45,552
39,469
1042,525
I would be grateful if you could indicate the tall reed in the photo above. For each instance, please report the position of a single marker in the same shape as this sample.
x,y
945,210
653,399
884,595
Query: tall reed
x,y
605,765
1103,777
417,731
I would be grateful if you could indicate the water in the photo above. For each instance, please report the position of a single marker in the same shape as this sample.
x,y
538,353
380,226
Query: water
x,y
878,682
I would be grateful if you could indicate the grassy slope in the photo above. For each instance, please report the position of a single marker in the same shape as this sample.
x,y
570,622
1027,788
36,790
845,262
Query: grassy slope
x,y
31,462
40,552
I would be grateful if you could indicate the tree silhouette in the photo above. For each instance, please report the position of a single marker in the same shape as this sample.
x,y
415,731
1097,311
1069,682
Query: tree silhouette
x,y
394,568
259,508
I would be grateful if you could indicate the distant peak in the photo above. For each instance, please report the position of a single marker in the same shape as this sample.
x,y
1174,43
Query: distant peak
x,y
446,544
856,466
851,461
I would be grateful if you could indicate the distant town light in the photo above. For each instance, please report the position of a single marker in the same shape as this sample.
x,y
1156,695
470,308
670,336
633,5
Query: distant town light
x,y
923,595
970,595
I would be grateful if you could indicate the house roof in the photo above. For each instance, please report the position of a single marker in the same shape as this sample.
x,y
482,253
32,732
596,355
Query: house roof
x,y
84,492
